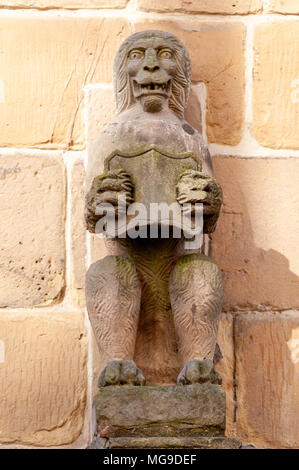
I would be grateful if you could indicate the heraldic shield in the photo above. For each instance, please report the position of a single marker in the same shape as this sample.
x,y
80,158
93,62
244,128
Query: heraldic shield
x,y
154,174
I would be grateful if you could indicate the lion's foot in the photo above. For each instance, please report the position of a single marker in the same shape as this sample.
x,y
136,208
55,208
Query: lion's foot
x,y
196,371
121,373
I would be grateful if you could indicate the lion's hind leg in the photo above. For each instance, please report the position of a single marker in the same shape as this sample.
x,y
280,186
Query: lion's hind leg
x,y
113,293
196,300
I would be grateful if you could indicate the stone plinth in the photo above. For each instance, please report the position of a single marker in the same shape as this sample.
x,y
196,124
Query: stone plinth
x,y
191,416
202,442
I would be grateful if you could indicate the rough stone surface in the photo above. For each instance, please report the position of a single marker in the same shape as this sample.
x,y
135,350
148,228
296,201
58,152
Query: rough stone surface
x,y
98,249
43,378
75,51
101,109
283,6
226,7
276,85
225,367
173,443
217,59
32,237
78,231
161,411
193,112
267,376
256,243
67,4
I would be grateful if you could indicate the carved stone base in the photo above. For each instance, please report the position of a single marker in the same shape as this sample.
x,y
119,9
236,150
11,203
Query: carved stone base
x,y
153,417
203,442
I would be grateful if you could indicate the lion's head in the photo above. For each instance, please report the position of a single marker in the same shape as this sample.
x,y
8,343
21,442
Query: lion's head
x,y
152,66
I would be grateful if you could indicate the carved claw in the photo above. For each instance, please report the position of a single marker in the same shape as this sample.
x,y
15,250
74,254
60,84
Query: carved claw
x,y
105,189
196,371
121,373
197,187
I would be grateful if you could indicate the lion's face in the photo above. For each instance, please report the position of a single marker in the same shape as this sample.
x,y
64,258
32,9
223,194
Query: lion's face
x,y
151,68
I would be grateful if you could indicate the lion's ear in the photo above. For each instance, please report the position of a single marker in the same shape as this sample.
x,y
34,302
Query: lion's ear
x,y
124,97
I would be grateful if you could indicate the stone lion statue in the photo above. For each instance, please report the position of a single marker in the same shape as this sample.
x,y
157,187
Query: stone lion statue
x,y
154,306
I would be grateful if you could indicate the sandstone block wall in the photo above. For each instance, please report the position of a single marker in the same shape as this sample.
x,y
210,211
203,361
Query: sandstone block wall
x,y
55,96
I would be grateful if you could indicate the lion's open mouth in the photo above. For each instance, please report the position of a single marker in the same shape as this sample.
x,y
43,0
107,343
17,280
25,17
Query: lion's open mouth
x,y
152,88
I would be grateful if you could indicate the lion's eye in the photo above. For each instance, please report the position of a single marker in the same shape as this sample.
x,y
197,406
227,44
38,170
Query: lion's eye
x,y
136,55
165,54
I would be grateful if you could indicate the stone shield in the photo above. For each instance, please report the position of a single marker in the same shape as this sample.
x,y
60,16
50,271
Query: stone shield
x,y
154,173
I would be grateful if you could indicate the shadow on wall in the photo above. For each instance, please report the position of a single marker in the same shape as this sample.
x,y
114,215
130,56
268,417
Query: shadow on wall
x,y
255,245
260,210
267,375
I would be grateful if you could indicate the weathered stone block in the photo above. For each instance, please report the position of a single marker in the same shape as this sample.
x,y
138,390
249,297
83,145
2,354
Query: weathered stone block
x,y
78,231
67,4
222,7
98,248
43,378
276,85
217,59
267,378
193,112
161,410
206,442
32,237
75,51
283,6
225,367
255,243
100,110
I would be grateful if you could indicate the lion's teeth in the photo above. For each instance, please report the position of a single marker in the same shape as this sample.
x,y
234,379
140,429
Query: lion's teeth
x,y
153,86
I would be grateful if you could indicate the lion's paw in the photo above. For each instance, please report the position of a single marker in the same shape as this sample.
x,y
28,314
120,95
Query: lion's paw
x,y
196,371
121,373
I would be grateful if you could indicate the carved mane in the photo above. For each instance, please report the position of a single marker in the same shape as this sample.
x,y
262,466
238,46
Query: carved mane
x,y
180,84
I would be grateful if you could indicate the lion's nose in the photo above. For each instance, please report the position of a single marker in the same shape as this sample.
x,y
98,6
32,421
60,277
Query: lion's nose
x,y
151,63
151,67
